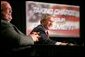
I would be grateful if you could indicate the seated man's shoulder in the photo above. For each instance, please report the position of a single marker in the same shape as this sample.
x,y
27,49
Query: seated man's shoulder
x,y
38,28
5,24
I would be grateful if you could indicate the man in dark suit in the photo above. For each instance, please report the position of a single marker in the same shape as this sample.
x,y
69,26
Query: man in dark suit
x,y
11,37
43,28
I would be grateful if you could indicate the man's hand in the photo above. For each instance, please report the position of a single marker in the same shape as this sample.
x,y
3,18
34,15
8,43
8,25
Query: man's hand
x,y
35,36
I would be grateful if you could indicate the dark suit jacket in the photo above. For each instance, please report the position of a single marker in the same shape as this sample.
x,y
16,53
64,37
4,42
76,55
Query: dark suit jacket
x,y
12,38
43,37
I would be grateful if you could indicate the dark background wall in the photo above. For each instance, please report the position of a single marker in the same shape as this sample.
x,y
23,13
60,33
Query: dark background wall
x,y
18,14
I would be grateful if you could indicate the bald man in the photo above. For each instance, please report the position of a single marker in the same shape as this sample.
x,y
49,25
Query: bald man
x,y
11,36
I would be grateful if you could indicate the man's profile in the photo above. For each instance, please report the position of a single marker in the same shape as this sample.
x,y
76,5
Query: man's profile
x,y
43,29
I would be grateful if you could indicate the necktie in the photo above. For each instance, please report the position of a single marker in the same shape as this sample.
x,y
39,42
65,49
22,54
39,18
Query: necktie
x,y
47,34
